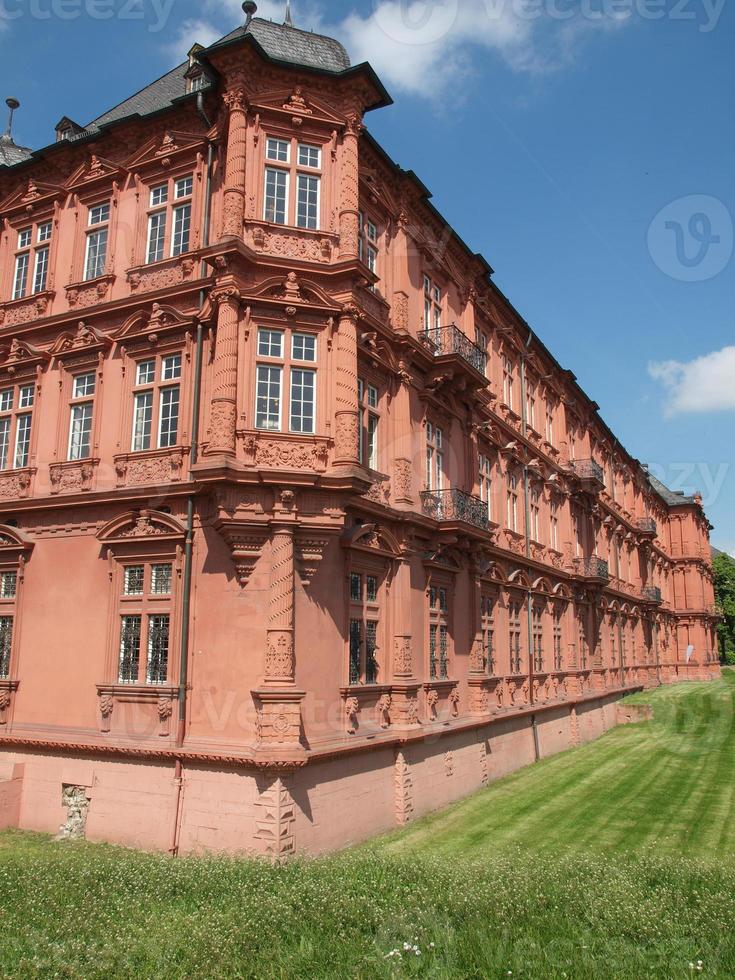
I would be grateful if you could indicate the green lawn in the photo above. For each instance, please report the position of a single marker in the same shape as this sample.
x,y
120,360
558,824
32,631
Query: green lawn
x,y
613,860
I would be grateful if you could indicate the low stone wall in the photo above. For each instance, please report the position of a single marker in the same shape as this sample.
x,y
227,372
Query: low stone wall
x,y
330,803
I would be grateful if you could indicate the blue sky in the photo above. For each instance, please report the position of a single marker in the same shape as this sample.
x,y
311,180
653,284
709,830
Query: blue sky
x,y
585,147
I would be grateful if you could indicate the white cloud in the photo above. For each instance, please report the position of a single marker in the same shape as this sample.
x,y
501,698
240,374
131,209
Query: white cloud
x,y
705,384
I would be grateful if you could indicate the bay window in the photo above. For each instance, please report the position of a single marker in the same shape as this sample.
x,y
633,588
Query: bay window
x,y
292,164
286,354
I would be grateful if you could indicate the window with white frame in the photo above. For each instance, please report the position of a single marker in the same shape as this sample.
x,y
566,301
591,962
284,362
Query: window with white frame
x,y
481,342
81,412
508,383
535,516
98,231
289,164
32,259
438,632
368,243
432,305
286,354
156,402
145,611
434,457
512,501
554,526
369,399
549,433
16,419
169,218
531,405
485,483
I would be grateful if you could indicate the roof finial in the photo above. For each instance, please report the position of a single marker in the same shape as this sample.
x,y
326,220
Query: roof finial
x,y
288,22
12,104
250,9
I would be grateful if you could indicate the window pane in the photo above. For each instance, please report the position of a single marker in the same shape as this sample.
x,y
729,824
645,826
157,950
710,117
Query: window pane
x,y
133,583
158,635
309,156
303,347
6,399
145,373
4,442
268,398
307,204
372,396
270,343
20,283
23,440
99,214
142,421
159,195
182,227
96,254
169,426
6,644
171,369
161,579
355,587
129,649
24,237
40,275
372,588
355,644
156,236
184,187
80,431
83,385
8,585
371,646
276,184
303,384
278,150
372,442
44,232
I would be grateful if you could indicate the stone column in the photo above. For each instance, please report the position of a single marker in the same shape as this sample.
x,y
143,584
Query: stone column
x,y
234,186
279,657
223,413
347,419
404,684
349,219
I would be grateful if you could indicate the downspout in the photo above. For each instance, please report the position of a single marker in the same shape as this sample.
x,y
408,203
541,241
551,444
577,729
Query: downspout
x,y
188,546
527,512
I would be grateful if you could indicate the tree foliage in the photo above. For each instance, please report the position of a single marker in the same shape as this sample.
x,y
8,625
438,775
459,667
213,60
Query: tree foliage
x,y
724,568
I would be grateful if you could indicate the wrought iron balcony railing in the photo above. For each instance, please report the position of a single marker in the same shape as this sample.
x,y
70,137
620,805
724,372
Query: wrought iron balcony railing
x,y
647,525
451,340
589,470
593,568
652,593
455,505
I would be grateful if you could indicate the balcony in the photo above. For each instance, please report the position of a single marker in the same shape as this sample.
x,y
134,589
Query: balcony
x,y
455,505
590,474
451,342
647,526
593,569
652,593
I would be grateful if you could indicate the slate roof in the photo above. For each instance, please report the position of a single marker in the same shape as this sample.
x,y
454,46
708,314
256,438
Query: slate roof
x,y
10,154
280,42
669,496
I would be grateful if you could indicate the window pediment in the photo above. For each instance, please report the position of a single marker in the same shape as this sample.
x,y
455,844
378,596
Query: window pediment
x,y
22,358
161,152
14,544
36,196
144,325
87,339
297,103
93,172
143,526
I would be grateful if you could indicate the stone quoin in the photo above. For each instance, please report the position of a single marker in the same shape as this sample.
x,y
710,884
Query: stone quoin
x,y
302,532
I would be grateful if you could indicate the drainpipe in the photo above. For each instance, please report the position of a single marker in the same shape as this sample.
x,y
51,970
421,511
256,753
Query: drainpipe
x,y
190,503
527,512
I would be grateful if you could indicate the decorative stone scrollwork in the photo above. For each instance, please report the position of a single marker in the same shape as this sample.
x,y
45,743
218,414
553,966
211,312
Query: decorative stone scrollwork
x,y
352,709
454,703
286,453
403,657
5,702
106,706
73,477
15,485
165,711
383,710
309,552
432,700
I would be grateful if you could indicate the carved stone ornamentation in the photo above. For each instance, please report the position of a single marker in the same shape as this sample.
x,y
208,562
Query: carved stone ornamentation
x,y
279,658
5,701
383,710
403,790
275,816
432,700
165,711
403,657
403,480
73,477
454,703
286,454
309,551
352,709
76,802
15,485
106,706
160,468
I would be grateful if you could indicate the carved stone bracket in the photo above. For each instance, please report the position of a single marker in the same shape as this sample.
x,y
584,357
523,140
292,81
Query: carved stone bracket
x,y
73,477
7,690
279,718
246,543
309,551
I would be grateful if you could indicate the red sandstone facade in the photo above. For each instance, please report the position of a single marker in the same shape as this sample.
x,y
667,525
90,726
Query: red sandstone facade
x,y
302,533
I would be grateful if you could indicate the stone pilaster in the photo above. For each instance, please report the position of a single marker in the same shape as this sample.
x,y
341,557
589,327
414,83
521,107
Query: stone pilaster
x,y
347,419
349,213
279,657
234,187
223,412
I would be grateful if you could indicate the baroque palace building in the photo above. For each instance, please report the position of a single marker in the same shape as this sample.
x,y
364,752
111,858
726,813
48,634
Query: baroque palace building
x,y
303,530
